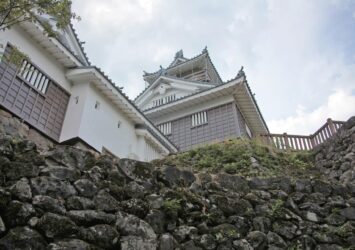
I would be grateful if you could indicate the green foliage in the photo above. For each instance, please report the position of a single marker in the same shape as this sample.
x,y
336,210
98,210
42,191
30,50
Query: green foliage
x,y
276,208
243,157
16,11
232,168
16,57
345,230
172,207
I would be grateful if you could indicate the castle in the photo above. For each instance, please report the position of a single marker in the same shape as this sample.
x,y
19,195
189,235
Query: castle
x,y
191,105
57,91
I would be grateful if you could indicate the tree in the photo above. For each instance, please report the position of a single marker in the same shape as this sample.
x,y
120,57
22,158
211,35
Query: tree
x,y
15,11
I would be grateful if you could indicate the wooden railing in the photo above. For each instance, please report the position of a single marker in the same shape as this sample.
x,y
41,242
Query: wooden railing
x,y
302,142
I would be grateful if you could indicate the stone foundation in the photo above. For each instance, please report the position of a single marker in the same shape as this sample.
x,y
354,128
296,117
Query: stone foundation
x,y
12,125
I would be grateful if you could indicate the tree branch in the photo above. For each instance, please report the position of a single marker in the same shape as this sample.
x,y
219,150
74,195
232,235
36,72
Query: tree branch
x,y
14,21
6,15
12,7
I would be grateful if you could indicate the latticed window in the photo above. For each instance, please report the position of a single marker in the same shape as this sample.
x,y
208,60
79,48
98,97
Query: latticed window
x,y
34,76
170,98
165,128
199,119
164,100
158,102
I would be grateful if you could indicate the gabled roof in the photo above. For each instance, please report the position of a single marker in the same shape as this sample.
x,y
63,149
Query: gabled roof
x,y
80,45
179,58
151,77
172,78
52,45
237,86
68,38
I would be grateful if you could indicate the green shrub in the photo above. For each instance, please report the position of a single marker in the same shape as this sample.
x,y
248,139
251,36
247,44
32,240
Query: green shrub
x,y
235,157
172,207
232,168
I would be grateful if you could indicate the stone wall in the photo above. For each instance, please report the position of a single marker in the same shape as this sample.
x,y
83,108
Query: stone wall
x,y
336,157
13,126
67,198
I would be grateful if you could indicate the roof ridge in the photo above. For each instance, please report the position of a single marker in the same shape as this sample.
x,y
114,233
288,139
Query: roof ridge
x,y
188,80
208,55
79,43
174,78
170,67
239,74
40,22
192,94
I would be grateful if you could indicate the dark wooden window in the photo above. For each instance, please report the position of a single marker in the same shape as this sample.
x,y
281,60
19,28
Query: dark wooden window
x,y
33,96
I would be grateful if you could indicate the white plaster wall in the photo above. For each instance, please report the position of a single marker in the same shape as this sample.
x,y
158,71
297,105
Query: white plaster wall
x,y
99,127
151,152
147,150
73,117
40,57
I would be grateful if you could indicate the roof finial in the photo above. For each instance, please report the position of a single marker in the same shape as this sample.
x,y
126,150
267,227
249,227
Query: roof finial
x,y
241,72
204,50
162,71
179,54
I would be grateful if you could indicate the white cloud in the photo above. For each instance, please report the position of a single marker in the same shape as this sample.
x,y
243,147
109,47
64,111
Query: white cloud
x,y
340,105
285,47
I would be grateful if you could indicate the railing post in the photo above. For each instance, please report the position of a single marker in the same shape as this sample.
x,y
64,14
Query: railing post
x,y
331,126
311,139
286,141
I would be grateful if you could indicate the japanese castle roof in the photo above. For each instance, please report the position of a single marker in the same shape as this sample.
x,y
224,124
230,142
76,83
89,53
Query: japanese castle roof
x,y
237,86
179,61
64,36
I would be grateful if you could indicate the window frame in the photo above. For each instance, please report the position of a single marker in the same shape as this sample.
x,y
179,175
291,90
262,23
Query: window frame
x,y
199,119
165,128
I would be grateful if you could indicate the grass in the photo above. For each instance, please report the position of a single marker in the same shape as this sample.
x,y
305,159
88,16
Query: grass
x,y
243,157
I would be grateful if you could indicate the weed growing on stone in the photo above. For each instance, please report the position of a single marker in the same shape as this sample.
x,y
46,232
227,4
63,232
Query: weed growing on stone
x,y
172,207
241,156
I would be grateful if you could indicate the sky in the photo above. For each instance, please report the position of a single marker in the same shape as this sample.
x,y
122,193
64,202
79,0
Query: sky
x,y
299,56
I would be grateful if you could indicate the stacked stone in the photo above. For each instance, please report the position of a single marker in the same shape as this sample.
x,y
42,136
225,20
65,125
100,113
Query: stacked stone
x,y
336,157
67,198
